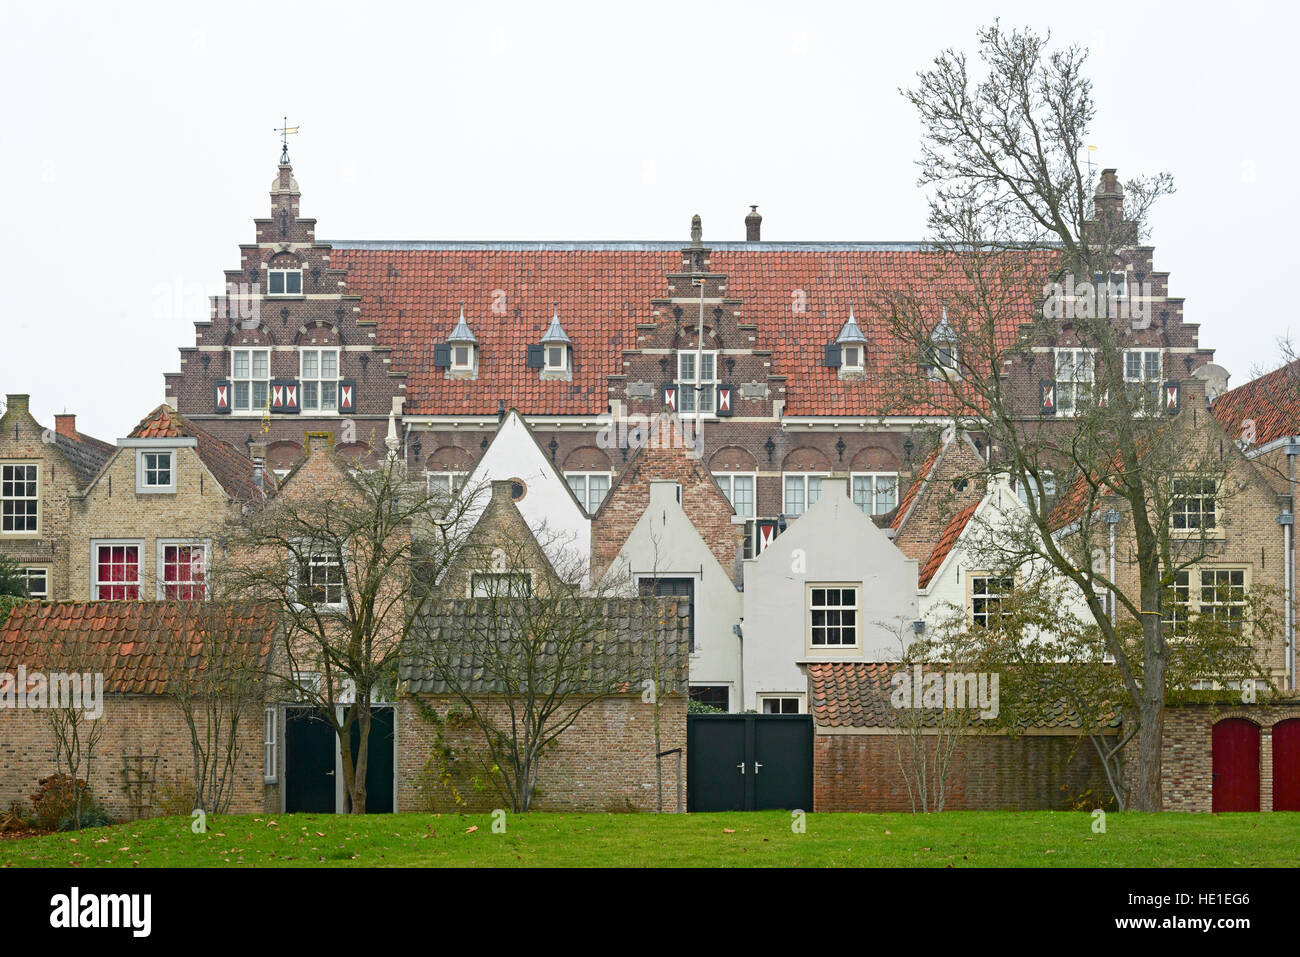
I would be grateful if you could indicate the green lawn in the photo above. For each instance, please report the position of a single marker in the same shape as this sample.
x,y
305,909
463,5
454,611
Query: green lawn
x,y
959,839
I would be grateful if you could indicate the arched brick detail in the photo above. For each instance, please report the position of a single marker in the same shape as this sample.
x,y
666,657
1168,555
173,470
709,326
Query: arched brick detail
x,y
260,336
450,458
284,455
806,459
360,452
875,458
285,260
732,458
587,458
317,333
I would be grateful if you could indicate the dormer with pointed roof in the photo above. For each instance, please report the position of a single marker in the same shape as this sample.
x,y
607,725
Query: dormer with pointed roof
x,y
459,354
852,347
554,354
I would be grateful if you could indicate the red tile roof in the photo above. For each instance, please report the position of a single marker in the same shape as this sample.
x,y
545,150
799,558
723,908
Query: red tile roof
x,y
231,468
137,645
913,490
414,291
857,695
1271,402
949,538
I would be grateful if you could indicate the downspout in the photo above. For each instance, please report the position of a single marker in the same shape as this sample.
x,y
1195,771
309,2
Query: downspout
x,y
1287,518
740,684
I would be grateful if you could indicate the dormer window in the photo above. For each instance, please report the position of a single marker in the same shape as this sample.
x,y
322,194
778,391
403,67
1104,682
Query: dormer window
x,y
284,282
943,348
557,358
852,346
459,354
554,354
155,471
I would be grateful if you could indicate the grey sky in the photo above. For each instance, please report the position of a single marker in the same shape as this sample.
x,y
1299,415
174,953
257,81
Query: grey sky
x,y
136,146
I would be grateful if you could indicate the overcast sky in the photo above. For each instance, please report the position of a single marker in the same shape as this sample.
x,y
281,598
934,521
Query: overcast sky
x,y
136,147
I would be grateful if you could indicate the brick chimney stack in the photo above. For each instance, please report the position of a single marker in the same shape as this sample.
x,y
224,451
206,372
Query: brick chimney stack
x,y
66,424
753,225
17,401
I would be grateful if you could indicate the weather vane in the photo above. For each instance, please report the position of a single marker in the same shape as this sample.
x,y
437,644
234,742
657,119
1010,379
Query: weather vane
x,y
284,132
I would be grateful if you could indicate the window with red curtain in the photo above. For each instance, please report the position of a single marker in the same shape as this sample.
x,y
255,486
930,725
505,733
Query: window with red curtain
x,y
117,572
184,568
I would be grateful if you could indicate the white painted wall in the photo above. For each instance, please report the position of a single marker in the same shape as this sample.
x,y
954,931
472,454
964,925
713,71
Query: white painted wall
x,y
831,542
665,543
552,513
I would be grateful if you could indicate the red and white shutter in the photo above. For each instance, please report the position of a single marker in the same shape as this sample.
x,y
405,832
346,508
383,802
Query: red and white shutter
x,y
347,396
221,396
670,396
725,395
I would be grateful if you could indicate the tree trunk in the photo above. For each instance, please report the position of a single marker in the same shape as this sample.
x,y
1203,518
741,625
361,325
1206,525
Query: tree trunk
x,y
1146,794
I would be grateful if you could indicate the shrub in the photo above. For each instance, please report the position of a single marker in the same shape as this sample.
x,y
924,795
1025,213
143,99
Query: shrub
x,y
93,816
53,800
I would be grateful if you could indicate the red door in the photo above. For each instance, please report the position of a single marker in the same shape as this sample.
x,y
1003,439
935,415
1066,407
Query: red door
x,y
1286,765
1235,757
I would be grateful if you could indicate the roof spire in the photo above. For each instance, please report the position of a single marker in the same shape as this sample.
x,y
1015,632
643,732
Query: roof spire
x,y
462,331
851,332
285,132
555,331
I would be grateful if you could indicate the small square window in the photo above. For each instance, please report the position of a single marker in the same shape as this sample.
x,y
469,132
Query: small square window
x,y
462,357
557,358
156,471
851,358
833,615
284,282
37,581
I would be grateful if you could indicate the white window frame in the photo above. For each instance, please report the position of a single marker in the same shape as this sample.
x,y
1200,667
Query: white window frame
x,y
470,356
1215,496
944,359
585,495
1048,491
727,482
36,467
318,380
160,559
95,545
805,476
25,572
796,697
296,559
562,349
455,482
860,365
252,408
1195,603
142,485
523,576
1143,381
687,386
810,609
1073,387
971,597
875,478
271,745
284,283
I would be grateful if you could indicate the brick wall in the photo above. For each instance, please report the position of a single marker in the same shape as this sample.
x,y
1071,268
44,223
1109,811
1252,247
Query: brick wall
x,y
148,724
113,509
704,503
1187,755
860,772
604,762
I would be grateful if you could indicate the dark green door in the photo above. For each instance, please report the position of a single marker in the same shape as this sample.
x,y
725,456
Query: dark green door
x,y
783,747
309,749
716,747
379,761
747,762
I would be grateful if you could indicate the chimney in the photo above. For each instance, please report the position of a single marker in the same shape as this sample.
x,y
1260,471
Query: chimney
x,y
319,442
17,402
66,424
753,225
257,452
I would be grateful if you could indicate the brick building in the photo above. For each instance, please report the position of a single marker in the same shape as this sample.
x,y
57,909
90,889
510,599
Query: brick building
x,y
42,471
148,525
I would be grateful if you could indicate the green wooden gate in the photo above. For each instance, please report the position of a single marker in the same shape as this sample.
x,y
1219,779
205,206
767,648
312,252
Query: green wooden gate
x,y
749,762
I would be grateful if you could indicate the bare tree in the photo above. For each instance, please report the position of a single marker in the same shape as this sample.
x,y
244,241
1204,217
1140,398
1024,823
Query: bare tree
x,y
350,559
216,660
1026,243
531,651
73,716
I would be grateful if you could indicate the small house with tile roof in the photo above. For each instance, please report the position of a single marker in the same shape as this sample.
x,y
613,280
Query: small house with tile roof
x,y
832,587
148,525
142,649
42,471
